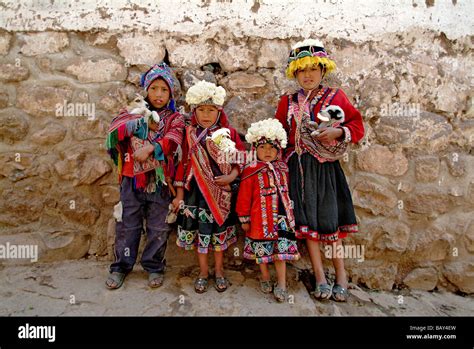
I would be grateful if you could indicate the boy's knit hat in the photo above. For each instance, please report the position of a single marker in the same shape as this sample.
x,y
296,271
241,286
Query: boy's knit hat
x,y
308,53
160,70
267,131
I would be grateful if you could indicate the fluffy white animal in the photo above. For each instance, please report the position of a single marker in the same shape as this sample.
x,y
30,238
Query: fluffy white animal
x,y
140,106
222,139
329,116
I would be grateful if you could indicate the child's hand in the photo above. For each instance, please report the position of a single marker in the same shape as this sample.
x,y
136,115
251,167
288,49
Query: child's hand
x,y
177,202
143,153
225,179
245,227
328,134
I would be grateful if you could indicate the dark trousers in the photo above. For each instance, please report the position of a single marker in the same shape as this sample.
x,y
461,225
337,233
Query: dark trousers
x,y
136,206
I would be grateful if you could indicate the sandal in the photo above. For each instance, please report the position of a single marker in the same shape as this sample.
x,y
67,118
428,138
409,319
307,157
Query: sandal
x,y
155,280
266,286
221,283
322,292
201,284
280,294
339,293
115,280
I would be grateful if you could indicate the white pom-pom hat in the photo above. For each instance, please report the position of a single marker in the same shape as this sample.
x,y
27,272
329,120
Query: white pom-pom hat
x,y
267,131
205,93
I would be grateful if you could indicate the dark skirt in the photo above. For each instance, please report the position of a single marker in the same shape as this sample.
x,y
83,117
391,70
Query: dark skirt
x,y
197,227
323,209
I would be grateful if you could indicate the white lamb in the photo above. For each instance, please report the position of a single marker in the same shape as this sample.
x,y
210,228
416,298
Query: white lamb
x,y
223,141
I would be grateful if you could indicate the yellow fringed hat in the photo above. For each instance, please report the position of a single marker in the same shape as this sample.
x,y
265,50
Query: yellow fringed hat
x,y
308,53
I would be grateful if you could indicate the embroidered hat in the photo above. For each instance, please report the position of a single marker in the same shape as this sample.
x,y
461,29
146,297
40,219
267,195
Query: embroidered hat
x,y
160,70
308,53
205,93
267,131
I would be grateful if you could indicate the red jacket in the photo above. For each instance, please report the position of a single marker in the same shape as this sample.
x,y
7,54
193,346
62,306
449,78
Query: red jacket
x,y
257,201
353,120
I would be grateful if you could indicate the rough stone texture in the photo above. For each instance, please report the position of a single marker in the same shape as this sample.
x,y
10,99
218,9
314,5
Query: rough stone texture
x,y
82,168
5,39
374,198
469,237
235,57
412,176
111,195
242,111
273,54
39,100
383,238
14,125
379,159
98,70
191,55
427,131
456,164
429,201
422,279
52,133
42,43
3,99
427,168
13,73
78,209
141,49
191,77
374,274
243,81
461,274
429,244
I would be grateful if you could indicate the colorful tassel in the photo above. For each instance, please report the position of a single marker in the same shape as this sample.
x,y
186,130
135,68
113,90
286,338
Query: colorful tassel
x,y
111,140
160,175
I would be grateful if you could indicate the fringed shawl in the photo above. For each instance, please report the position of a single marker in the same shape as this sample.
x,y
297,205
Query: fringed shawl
x,y
127,127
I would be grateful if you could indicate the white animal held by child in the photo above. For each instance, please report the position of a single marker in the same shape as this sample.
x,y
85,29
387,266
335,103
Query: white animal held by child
x,y
140,106
329,117
223,141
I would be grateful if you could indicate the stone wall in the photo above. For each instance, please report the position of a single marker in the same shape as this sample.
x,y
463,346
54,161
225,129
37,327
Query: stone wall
x,y
66,68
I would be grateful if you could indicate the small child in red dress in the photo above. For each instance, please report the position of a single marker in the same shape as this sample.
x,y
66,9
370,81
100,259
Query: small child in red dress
x,y
264,206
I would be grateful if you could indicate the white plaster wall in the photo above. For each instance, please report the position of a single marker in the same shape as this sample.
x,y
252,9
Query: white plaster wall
x,y
355,20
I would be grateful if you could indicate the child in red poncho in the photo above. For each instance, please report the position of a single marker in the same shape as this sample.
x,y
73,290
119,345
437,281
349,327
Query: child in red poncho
x,y
206,183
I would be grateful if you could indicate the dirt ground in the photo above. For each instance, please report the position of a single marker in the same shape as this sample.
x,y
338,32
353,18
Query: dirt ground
x,y
76,288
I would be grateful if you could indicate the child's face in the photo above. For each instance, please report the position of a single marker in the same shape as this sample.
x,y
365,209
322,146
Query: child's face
x,y
159,93
310,77
266,152
207,115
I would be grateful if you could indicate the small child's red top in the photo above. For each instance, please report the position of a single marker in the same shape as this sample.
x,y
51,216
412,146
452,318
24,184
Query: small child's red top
x,y
262,189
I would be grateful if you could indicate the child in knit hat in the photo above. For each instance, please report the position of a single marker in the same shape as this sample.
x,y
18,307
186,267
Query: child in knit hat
x,y
144,149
